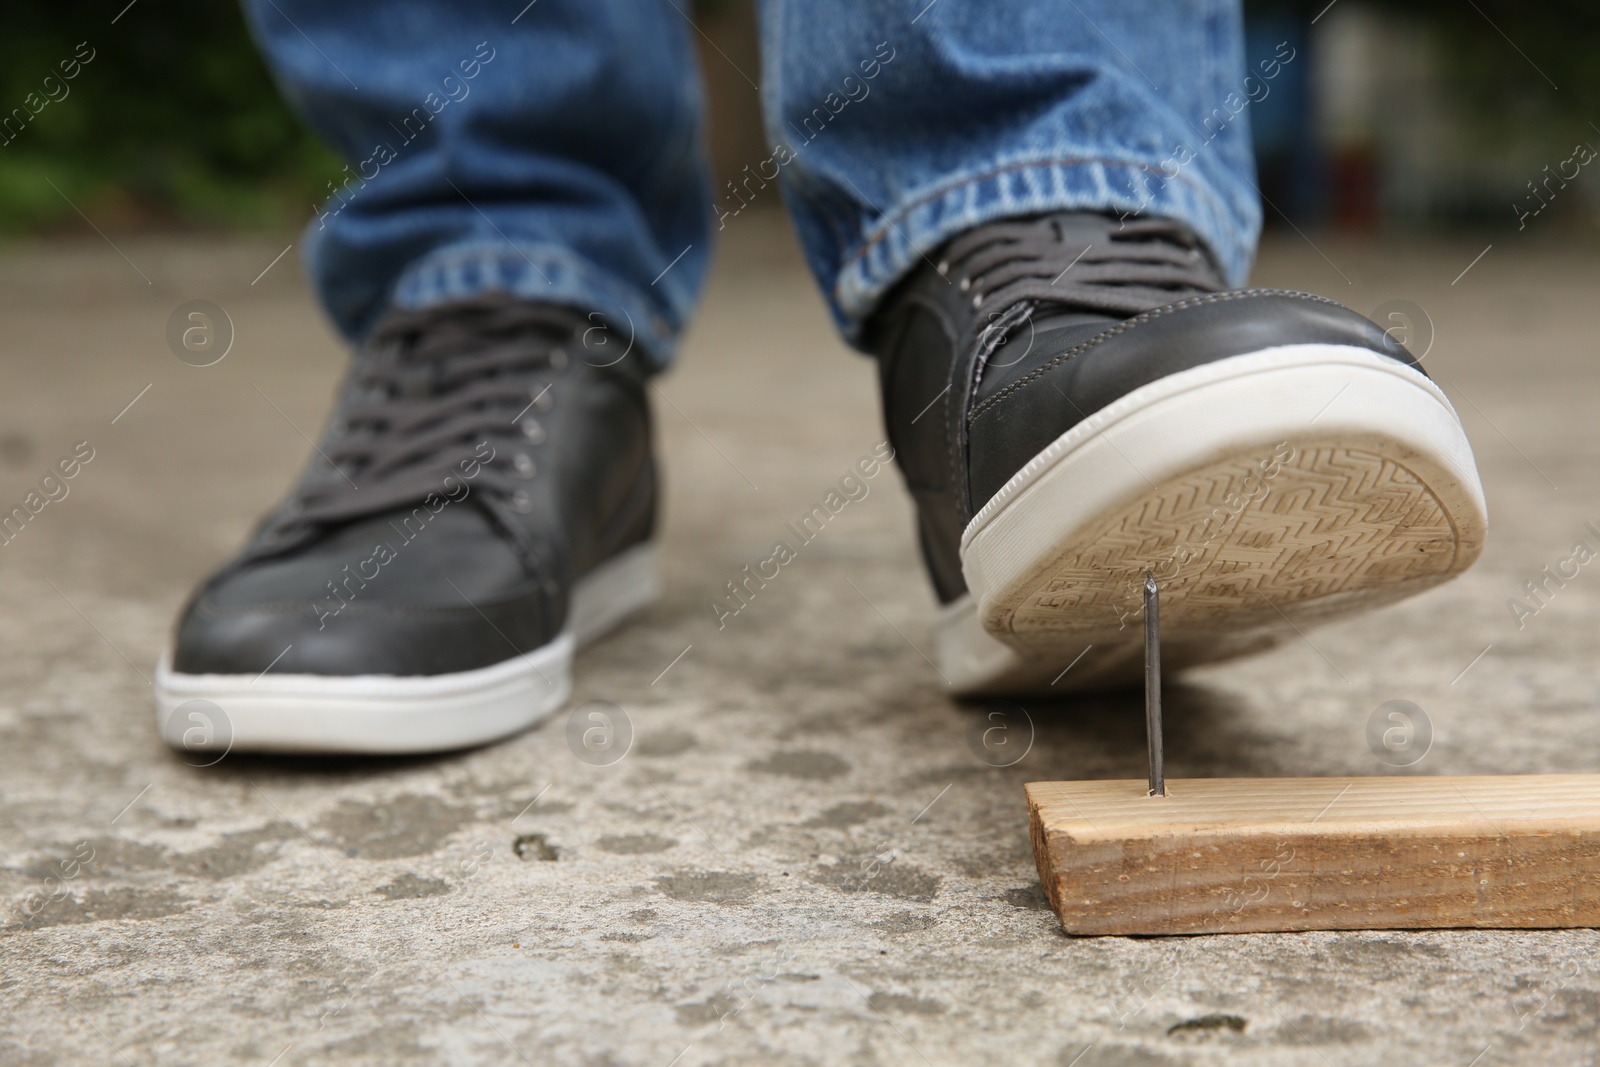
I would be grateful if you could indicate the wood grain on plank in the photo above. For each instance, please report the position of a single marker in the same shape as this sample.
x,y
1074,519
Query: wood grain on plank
x,y
1255,854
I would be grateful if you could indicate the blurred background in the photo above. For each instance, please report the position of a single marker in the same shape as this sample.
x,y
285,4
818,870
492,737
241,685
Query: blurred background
x,y
1401,115
517,899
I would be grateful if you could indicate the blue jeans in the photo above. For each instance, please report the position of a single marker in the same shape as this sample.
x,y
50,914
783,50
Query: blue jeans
x,y
558,152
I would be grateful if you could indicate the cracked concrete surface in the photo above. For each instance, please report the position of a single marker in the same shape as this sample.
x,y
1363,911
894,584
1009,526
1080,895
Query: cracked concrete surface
x,y
802,859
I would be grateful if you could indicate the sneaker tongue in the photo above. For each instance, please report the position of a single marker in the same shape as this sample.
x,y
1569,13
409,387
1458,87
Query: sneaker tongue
x,y
436,392
1053,282
1081,262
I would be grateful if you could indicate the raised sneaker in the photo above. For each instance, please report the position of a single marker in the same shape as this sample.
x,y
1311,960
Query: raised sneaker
x,y
481,504
1077,402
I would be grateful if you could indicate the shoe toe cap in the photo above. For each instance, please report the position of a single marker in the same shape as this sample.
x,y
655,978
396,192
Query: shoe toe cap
x,y
368,602
294,638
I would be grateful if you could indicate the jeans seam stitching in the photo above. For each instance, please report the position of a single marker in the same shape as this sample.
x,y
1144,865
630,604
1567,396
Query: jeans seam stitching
x,y
899,214
590,278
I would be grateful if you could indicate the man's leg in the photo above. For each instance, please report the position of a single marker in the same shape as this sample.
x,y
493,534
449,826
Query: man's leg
x,y
556,157
519,236
1035,215
908,123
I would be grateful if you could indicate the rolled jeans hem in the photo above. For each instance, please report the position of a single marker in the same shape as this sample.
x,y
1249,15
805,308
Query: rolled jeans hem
x,y
1126,188
544,273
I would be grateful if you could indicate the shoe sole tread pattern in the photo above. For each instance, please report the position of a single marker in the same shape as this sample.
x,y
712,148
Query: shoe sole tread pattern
x,y
1267,493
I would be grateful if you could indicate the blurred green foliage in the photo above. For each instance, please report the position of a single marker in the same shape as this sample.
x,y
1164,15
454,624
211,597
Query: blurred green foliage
x,y
1520,67
174,120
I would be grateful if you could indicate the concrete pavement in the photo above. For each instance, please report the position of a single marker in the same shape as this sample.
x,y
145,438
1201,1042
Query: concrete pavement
x,y
803,858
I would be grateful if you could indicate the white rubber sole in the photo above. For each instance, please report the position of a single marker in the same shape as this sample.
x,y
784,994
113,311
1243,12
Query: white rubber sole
x,y
1267,493
392,714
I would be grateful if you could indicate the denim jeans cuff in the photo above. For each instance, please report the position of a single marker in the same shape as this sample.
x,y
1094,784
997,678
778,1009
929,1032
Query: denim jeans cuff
x,y
911,230
546,273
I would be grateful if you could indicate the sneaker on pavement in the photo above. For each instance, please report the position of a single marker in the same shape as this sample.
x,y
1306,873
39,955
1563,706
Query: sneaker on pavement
x,y
481,504
1077,402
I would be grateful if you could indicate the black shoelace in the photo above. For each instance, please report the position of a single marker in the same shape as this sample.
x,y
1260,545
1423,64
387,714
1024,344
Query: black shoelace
x,y
1083,262
437,394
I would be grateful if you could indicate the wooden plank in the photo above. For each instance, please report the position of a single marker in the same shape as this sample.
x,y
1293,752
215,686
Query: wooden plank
x,y
1254,854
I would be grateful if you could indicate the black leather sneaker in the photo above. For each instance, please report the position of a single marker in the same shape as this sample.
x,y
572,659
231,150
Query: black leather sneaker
x,y
481,503
1076,402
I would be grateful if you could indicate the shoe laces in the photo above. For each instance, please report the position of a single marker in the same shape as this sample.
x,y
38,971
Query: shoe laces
x,y
438,398
1080,261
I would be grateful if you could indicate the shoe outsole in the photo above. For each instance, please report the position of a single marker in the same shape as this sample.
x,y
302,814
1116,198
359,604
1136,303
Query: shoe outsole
x,y
1267,493
398,714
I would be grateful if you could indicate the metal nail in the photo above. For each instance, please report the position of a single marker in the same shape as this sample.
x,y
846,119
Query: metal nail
x,y
1152,686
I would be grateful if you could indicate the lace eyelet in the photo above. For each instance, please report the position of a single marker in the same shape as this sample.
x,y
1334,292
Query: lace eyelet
x,y
965,284
522,463
544,400
558,359
943,268
977,299
521,502
532,431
